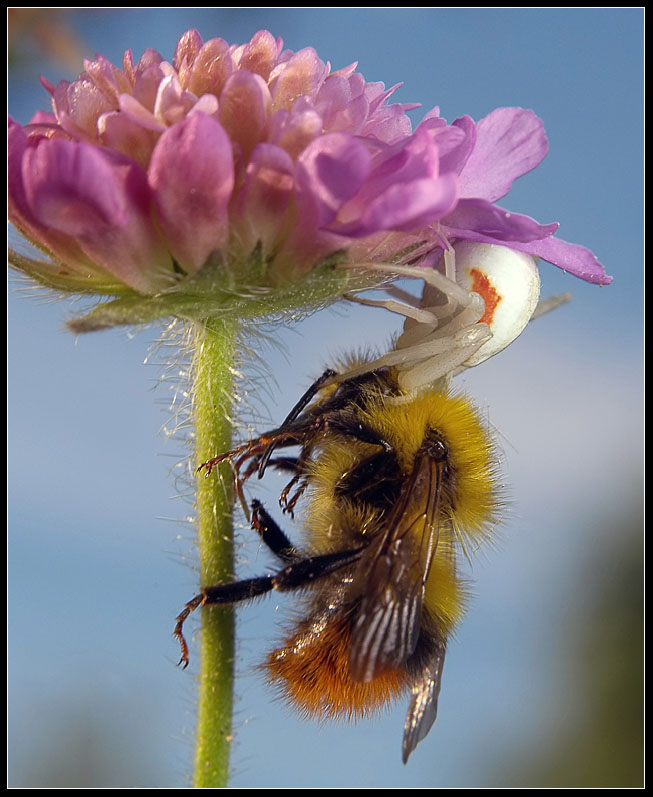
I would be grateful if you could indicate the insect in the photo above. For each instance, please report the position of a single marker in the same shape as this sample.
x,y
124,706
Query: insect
x,y
396,476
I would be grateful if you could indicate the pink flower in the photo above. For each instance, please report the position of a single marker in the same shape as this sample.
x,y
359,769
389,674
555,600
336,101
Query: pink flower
x,y
252,155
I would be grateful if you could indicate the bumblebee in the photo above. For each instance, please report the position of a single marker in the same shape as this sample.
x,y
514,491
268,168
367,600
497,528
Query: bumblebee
x,y
396,476
393,486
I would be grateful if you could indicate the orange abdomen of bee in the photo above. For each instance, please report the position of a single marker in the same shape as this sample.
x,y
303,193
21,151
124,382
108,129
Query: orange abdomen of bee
x,y
312,673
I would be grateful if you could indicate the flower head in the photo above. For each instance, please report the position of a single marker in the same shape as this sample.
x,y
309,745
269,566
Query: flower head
x,y
260,163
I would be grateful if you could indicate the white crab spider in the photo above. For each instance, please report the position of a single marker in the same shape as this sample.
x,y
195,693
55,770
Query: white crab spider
x,y
481,303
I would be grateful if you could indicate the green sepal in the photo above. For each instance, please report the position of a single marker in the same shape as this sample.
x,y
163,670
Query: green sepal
x,y
213,293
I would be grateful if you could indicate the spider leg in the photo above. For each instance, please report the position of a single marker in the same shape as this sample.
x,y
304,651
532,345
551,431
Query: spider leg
x,y
401,295
442,325
552,303
439,361
430,276
449,351
401,308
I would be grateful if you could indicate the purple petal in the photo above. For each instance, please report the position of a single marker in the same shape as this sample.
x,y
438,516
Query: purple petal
x,y
412,158
192,176
342,104
389,123
509,143
478,220
329,172
405,207
43,118
405,162
455,144
575,259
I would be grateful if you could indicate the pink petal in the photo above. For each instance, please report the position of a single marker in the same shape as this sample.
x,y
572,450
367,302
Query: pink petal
x,y
172,102
259,213
300,75
139,114
245,106
84,103
260,55
211,68
146,86
120,132
101,202
109,79
192,176
186,51
20,212
293,131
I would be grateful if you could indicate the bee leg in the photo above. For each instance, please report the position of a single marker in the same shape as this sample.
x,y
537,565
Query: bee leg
x,y
288,504
285,464
356,429
222,593
271,534
295,575
293,414
304,571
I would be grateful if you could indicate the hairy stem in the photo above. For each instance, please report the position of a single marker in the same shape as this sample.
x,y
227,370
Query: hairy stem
x,y
212,385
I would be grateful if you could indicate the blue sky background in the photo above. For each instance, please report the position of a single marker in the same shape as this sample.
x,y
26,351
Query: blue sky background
x,y
100,560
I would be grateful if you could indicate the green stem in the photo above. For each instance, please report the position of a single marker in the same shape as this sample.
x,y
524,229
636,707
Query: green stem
x,y
212,375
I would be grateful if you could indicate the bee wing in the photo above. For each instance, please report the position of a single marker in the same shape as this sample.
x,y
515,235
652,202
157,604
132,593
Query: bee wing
x,y
423,707
392,575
